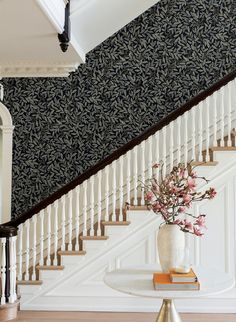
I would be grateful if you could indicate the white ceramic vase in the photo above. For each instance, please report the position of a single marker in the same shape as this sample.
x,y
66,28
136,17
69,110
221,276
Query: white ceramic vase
x,y
170,245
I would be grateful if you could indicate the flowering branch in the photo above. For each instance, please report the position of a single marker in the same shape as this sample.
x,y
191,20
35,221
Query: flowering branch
x,y
174,194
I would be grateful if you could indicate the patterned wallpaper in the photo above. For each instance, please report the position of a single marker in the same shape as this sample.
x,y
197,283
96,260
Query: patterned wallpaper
x,y
150,67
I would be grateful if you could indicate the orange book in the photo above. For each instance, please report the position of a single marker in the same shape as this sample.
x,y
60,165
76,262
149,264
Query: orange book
x,y
162,282
183,277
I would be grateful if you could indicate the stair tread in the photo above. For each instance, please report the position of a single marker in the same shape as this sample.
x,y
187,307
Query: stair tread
x,y
116,223
94,237
204,163
71,252
30,282
51,267
223,148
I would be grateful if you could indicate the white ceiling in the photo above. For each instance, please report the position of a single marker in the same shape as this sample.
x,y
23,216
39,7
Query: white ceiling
x,y
28,32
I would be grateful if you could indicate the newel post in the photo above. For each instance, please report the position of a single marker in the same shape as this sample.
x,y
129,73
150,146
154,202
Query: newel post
x,y
8,235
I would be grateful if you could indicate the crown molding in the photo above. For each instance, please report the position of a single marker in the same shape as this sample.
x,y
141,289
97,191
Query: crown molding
x,y
35,69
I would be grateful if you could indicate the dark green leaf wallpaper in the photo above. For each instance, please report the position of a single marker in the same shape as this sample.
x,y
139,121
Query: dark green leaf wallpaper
x,y
153,65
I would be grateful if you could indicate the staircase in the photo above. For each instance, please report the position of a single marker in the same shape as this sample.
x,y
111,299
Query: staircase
x,y
100,222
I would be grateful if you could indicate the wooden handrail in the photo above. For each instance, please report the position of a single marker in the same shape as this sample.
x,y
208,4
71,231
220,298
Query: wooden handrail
x,y
122,150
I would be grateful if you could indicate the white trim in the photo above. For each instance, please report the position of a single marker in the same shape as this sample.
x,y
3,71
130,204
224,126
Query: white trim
x,y
6,130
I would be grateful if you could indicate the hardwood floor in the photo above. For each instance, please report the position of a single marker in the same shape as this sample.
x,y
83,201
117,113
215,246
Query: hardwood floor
x,y
34,316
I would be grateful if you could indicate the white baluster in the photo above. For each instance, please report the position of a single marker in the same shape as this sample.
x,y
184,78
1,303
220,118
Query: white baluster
x,y
3,269
85,208
77,219
20,253
171,138
92,206
193,126
12,268
207,107
200,110
70,221
121,166
128,176
99,202
55,232
41,261
63,223
150,157
27,252
135,176
142,171
34,220
185,137
179,119
48,262
222,118
157,155
164,151
229,141
215,119
107,193
114,191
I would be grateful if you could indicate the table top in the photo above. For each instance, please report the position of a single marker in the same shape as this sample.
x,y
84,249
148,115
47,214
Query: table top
x,y
138,281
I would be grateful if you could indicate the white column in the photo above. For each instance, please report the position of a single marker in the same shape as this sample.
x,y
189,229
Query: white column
x,y
85,207
3,269
55,205
6,171
63,223
27,252
92,206
99,203
20,252
48,262
34,249
107,193
114,191
41,260
77,219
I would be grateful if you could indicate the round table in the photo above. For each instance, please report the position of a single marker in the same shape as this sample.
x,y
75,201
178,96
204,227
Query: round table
x,y
138,281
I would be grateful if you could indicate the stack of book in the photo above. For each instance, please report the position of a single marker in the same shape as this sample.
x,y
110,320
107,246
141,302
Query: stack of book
x,y
173,281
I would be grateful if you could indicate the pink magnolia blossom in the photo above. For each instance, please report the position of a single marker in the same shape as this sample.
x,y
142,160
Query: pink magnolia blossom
x,y
156,207
197,231
191,184
187,224
186,199
193,174
149,196
178,222
200,221
181,209
212,193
